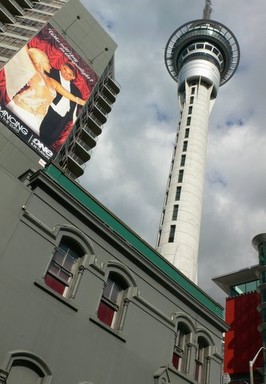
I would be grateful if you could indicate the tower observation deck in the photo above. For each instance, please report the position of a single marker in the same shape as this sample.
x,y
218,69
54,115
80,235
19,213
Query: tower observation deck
x,y
200,56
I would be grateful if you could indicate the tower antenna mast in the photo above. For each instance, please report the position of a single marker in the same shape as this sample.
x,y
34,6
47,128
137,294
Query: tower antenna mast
x,y
207,9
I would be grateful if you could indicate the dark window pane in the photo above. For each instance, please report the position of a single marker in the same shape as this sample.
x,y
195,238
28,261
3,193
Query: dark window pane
x,y
69,263
180,176
105,313
172,234
65,276
55,284
175,360
175,212
178,193
183,161
59,256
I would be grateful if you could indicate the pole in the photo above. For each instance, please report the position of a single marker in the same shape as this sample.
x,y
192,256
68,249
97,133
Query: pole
x,y
251,363
251,380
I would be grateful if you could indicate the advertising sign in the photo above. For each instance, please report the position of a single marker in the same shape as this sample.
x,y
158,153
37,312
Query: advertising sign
x,y
42,91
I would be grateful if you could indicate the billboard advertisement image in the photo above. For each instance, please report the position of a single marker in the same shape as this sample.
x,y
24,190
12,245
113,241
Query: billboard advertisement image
x,y
42,91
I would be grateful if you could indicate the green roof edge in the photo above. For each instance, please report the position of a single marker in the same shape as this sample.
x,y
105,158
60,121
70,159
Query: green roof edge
x,y
136,242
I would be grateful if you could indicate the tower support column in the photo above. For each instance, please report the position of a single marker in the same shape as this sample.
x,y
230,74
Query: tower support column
x,y
180,222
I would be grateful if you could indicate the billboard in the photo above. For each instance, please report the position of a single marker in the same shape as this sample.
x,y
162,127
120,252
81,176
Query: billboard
x,y
42,91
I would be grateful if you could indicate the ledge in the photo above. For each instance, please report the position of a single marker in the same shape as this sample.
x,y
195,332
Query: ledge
x,y
38,283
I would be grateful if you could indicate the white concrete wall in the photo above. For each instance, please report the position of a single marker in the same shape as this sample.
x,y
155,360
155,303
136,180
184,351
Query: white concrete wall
x,y
183,251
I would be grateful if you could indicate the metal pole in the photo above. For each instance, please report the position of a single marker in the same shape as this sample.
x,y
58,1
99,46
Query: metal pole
x,y
251,379
251,363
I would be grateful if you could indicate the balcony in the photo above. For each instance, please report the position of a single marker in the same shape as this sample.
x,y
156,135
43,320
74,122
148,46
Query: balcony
x,y
100,113
82,150
25,3
103,102
113,85
88,137
13,7
111,96
6,16
94,124
74,165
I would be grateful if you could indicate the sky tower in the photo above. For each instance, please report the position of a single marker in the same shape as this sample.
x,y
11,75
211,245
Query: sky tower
x,y
200,56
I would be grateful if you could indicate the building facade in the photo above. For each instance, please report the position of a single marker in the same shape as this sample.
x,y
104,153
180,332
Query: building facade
x,y
84,299
244,339
20,20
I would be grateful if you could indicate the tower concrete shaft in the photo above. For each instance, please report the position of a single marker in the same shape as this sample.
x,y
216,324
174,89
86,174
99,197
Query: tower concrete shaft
x,y
201,55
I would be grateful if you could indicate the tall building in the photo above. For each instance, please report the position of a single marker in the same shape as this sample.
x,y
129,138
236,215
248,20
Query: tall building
x,y
245,341
68,36
83,298
20,20
243,318
200,56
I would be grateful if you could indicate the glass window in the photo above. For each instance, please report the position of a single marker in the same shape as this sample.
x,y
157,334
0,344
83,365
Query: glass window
x,y
180,176
178,193
245,287
111,305
189,120
162,219
24,368
183,160
190,110
201,362
185,146
63,267
180,359
187,133
175,212
166,198
172,234
159,237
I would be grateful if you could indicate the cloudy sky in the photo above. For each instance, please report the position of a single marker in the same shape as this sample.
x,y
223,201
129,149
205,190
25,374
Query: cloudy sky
x,y
130,164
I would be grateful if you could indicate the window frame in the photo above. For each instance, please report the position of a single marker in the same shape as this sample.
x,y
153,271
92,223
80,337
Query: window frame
x,y
117,269
69,287
171,237
181,353
115,305
180,176
30,361
202,360
178,193
175,212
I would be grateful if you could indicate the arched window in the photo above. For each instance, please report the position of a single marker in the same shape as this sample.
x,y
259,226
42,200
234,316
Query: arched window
x,y
181,354
112,304
202,360
63,268
24,374
27,368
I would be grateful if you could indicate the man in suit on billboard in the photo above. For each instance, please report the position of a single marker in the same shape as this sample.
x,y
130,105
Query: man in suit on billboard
x,y
62,111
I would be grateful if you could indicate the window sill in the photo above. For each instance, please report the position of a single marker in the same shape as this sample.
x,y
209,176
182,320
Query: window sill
x,y
185,376
38,283
114,332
